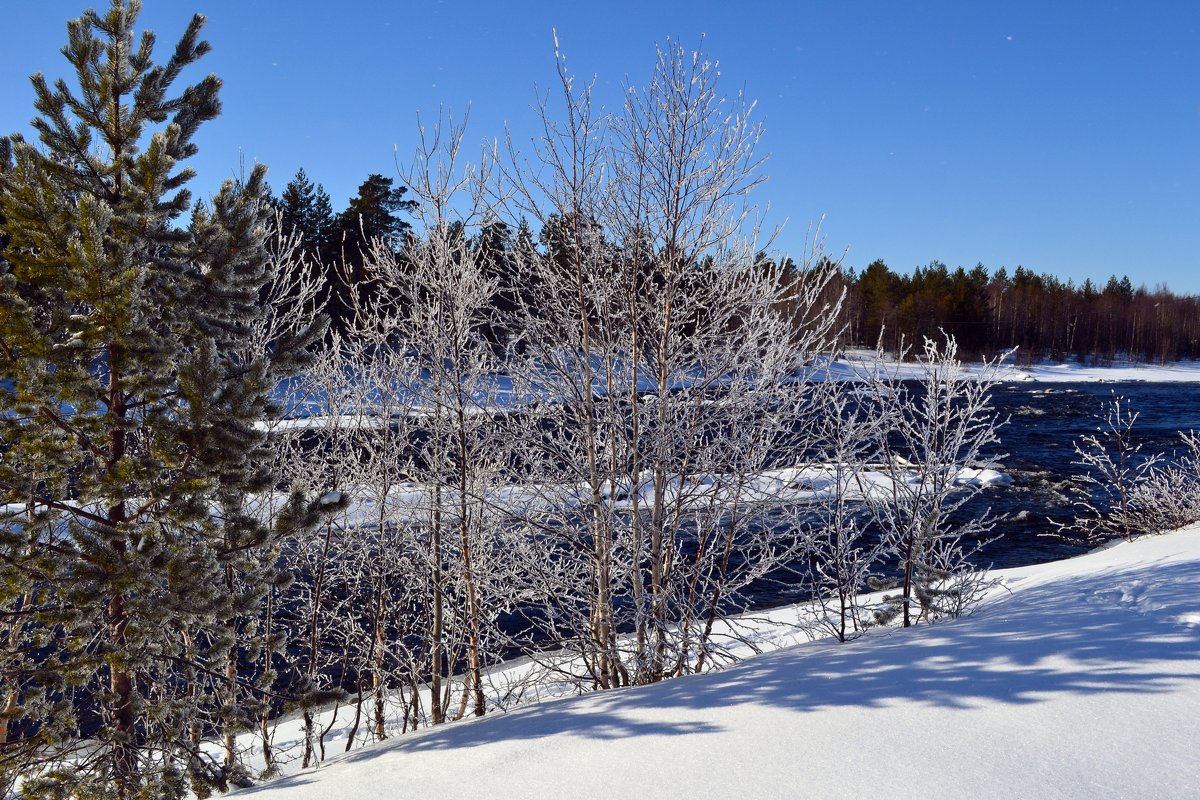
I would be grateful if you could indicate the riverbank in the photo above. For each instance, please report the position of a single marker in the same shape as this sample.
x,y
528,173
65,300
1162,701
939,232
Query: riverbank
x,y
856,363
1074,679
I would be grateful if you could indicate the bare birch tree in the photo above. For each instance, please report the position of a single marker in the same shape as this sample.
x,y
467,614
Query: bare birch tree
x,y
654,331
434,306
844,554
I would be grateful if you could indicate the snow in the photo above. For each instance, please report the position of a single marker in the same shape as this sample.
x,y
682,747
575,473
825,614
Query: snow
x,y
1074,679
1179,372
856,363
780,486
330,499
982,477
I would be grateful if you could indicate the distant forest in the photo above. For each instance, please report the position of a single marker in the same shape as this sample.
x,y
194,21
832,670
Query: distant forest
x,y
986,312
1042,315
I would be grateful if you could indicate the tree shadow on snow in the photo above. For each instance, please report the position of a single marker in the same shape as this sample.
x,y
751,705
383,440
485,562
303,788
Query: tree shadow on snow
x,y
1071,636
1076,636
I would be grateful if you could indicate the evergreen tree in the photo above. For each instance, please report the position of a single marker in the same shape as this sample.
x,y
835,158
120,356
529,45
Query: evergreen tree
x,y
128,408
306,209
493,251
372,212
877,288
305,212
5,163
370,217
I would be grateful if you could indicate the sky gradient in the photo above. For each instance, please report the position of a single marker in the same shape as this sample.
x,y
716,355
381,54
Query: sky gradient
x,y
1064,137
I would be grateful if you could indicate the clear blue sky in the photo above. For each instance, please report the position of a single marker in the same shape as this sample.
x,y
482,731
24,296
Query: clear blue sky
x,y
1062,136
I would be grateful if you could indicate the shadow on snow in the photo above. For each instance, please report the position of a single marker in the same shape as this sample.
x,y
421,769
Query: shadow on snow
x,y
1069,636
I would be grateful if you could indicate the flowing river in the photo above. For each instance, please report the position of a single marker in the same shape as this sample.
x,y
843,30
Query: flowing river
x,y
1045,420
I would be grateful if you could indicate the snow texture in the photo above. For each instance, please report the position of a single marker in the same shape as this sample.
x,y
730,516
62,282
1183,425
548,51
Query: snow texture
x,y
1074,679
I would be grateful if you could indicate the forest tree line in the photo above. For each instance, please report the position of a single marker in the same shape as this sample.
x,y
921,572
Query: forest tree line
x,y
987,312
1043,316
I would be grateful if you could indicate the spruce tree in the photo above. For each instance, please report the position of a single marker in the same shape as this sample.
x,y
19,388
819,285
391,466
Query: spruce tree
x,y
128,407
306,209
493,251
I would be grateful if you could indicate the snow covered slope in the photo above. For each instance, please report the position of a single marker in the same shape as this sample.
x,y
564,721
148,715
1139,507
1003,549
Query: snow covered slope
x,y
1080,679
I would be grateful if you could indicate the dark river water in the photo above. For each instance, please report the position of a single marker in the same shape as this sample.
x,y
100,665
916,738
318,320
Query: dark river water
x,y
1045,419
1036,451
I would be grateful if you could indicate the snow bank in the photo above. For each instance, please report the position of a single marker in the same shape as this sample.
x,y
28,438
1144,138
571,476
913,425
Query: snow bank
x,y
1076,679
1180,372
812,483
854,364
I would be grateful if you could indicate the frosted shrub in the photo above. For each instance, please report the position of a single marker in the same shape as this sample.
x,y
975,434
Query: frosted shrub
x,y
933,429
1168,498
1126,493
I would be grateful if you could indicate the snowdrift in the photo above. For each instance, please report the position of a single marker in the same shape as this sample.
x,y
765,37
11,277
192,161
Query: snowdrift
x,y
1075,679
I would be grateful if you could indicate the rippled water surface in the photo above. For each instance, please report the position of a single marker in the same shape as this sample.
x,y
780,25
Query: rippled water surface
x,y
1044,421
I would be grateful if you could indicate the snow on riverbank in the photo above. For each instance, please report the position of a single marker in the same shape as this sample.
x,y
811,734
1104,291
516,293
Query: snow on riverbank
x,y
853,365
1075,679
856,363
1179,372
782,486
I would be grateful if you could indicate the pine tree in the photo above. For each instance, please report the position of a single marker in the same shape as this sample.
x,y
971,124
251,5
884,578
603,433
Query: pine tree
x,y
129,407
372,212
5,163
371,216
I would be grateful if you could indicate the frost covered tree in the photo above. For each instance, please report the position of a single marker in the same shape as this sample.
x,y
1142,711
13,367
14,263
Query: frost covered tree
x,y
1114,469
1125,492
434,307
657,337
129,406
1169,497
936,427
306,610
843,555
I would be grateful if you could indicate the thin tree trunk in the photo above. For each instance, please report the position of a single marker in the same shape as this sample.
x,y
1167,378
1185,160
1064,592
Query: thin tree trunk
x,y
313,643
436,708
265,710
377,685
231,671
473,614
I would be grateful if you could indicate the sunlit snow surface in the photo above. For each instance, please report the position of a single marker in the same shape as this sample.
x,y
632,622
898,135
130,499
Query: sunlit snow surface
x,y
812,483
1075,679
857,363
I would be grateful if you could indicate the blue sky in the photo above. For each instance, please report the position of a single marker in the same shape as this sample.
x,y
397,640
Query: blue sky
x,y
1061,136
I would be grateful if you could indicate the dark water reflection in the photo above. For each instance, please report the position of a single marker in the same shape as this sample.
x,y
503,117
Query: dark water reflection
x,y
1037,452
